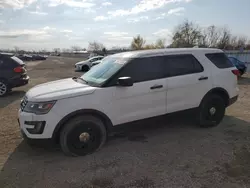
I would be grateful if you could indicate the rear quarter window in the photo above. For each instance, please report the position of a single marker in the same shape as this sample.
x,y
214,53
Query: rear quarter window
x,y
178,65
220,60
7,63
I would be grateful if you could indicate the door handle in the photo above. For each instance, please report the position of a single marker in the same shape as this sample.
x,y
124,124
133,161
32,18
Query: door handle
x,y
203,78
156,87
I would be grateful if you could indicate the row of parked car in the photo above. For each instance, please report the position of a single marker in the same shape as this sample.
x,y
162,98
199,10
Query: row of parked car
x,y
34,57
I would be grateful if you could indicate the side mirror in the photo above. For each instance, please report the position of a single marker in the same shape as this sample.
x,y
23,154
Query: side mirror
x,y
125,81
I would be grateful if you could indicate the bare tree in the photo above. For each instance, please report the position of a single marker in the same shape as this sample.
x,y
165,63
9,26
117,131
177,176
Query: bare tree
x,y
95,46
211,36
75,48
186,34
233,43
248,45
66,50
224,39
104,51
149,46
56,50
160,43
16,49
138,43
242,41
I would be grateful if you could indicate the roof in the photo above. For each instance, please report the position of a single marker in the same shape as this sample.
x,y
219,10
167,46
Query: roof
x,y
6,54
167,51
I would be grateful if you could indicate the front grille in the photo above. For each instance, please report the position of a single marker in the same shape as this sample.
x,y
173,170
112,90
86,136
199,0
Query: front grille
x,y
23,103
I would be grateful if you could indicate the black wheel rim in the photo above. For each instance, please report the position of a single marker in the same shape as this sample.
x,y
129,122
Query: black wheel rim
x,y
80,147
214,111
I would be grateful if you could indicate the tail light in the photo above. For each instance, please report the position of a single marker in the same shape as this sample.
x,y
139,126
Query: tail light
x,y
236,72
19,69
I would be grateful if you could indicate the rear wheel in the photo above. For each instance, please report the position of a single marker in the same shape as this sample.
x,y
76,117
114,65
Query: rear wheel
x,y
4,89
82,135
85,68
211,111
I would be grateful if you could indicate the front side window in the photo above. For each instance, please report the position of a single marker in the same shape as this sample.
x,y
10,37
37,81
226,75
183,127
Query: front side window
x,y
93,60
101,73
182,64
142,69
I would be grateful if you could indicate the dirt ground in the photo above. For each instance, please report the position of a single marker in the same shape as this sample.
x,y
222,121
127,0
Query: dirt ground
x,y
169,152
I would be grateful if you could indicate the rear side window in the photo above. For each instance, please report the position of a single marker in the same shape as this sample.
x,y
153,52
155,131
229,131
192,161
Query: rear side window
x,y
220,60
182,64
7,63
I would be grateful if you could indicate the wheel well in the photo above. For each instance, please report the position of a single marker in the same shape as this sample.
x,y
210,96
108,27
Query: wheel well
x,y
105,119
85,66
221,92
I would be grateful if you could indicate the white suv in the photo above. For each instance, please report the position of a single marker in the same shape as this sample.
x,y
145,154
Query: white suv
x,y
125,87
86,65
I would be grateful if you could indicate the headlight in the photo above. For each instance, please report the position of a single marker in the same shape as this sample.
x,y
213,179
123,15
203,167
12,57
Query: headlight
x,y
39,107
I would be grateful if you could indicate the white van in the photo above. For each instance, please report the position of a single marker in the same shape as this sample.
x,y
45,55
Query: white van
x,y
126,87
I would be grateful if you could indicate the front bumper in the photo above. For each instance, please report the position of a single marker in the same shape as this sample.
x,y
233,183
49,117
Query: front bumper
x,y
38,126
78,67
233,100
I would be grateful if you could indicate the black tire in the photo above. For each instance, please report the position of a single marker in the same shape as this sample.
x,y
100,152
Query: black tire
x,y
85,68
70,135
207,116
4,88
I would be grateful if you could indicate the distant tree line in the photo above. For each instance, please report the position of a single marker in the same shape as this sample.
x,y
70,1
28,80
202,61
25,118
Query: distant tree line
x,y
188,34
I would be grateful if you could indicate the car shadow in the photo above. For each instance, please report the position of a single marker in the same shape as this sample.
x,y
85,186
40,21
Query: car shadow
x,y
244,80
11,97
36,166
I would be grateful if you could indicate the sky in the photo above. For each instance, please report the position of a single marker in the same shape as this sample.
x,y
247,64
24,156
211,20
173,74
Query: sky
x,y
48,24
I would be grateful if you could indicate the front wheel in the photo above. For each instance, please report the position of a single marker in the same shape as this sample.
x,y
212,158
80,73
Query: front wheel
x,y
85,68
82,135
211,111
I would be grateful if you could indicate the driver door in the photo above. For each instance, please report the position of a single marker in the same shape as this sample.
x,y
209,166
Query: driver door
x,y
146,98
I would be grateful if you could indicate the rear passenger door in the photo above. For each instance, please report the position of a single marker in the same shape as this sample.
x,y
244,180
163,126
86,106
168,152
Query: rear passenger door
x,y
188,82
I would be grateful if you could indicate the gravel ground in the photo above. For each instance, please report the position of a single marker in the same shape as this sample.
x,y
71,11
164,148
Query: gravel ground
x,y
166,152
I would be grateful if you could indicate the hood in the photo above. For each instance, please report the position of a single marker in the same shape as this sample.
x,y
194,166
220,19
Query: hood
x,y
57,90
81,62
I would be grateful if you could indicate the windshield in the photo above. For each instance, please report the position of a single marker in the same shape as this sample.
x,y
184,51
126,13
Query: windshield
x,y
101,73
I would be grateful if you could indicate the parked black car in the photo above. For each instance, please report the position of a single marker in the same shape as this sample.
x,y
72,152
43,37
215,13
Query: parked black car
x,y
25,57
13,73
241,66
38,57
